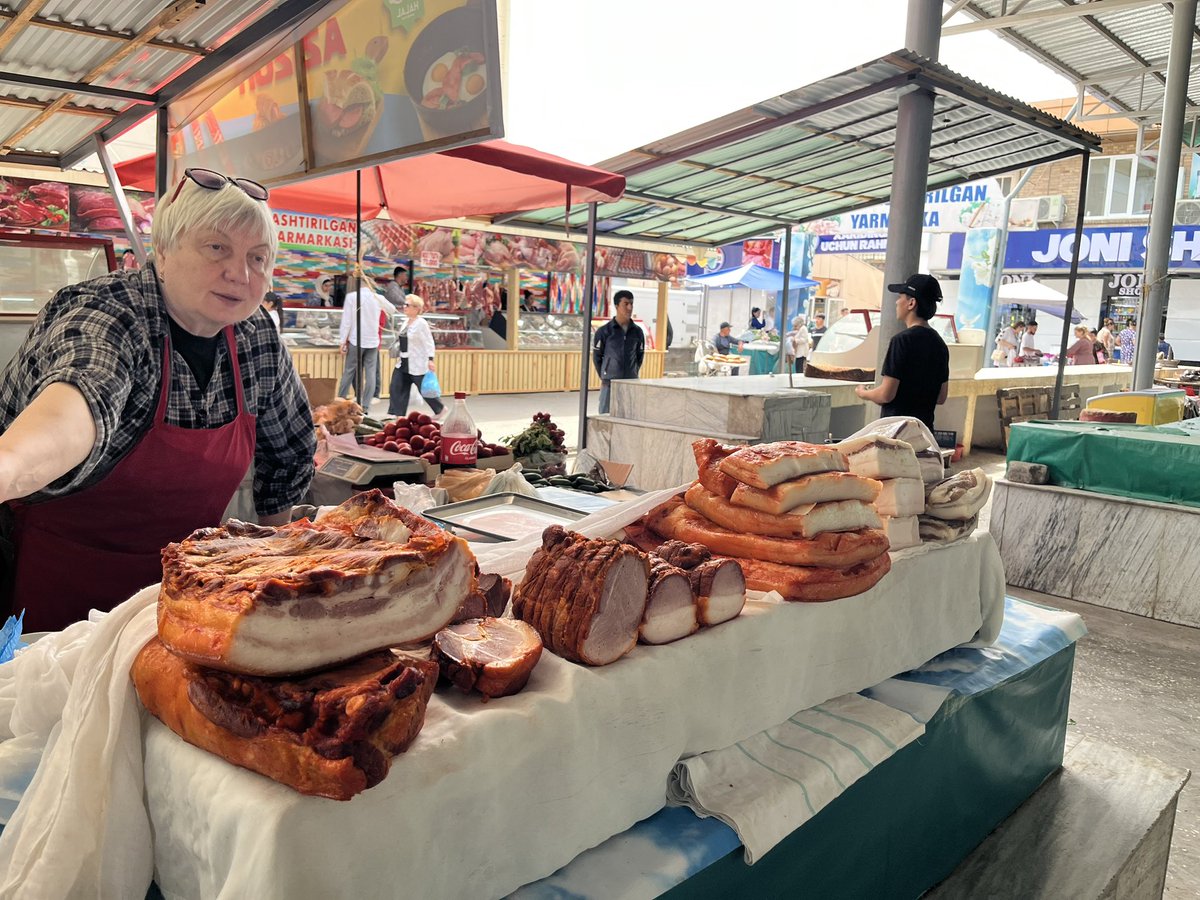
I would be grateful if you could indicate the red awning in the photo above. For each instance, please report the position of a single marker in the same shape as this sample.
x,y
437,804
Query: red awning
x,y
483,179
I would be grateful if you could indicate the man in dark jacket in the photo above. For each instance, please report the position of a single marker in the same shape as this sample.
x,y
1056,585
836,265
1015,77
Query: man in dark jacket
x,y
618,347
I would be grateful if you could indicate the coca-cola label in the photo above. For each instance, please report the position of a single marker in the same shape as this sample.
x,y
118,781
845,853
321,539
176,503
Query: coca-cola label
x,y
459,451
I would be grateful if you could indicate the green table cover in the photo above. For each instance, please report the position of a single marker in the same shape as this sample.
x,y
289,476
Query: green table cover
x,y
762,362
1148,463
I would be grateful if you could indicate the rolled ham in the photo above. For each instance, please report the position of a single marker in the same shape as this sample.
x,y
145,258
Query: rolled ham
x,y
716,583
671,606
492,656
586,598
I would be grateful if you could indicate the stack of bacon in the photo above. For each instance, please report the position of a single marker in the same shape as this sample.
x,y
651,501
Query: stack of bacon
x,y
272,647
894,464
789,513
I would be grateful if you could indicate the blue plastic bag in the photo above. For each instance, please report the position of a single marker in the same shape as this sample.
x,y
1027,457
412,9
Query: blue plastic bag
x,y
430,386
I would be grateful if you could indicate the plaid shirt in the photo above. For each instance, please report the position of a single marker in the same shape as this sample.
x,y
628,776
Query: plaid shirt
x,y
106,337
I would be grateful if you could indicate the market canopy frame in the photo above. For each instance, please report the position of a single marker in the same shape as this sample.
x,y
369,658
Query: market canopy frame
x,y
818,151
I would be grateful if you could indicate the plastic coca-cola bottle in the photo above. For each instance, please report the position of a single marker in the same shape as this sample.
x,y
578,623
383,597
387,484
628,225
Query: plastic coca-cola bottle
x,y
460,442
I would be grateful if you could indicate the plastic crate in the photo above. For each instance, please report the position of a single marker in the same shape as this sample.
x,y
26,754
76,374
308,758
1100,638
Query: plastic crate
x,y
947,440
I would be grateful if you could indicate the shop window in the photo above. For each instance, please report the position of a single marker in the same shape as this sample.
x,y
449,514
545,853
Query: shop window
x,y
1121,186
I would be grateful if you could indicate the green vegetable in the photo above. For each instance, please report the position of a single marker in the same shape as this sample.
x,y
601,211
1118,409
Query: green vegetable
x,y
534,438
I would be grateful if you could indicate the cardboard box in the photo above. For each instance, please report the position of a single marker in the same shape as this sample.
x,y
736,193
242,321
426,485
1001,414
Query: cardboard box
x,y
320,390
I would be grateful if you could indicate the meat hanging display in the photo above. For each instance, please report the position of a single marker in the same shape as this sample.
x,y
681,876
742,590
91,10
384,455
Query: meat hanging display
x,y
331,734
586,598
276,601
494,657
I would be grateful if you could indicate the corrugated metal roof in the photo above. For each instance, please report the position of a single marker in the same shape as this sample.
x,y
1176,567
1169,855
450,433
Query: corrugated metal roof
x,y
1118,55
67,41
823,149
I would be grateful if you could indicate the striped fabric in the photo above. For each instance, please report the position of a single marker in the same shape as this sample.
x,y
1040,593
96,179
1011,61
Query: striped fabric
x,y
770,784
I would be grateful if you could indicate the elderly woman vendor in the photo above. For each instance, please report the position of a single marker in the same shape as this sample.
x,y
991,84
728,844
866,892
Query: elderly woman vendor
x,y
138,401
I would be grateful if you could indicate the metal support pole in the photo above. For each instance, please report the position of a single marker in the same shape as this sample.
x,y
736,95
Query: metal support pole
x,y
910,173
1156,288
162,150
118,192
589,286
1056,403
787,274
359,380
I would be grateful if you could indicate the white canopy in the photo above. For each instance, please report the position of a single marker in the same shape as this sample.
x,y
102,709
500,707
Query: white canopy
x,y
1037,296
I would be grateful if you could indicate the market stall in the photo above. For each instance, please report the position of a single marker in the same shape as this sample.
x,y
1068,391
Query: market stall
x,y
467,276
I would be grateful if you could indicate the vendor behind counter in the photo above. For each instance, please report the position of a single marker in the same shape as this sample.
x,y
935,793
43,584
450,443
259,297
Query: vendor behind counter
x,y
137,403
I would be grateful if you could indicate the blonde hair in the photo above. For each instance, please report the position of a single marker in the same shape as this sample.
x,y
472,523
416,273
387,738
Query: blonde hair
x,y
417,299
227,209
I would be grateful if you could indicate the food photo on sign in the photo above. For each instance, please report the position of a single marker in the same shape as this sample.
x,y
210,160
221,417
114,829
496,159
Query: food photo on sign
x,y
25,203
94,209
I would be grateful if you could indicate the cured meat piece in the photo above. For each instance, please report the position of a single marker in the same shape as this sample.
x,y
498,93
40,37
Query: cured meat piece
x,y
331,734
802,522
959,497
820,488
275,601
838,373
811,584
1111,416
880,457
586,598
675,519
908,429
490,598
901,497
902,531
933,469
717,583
945,530
765,465
709,454
492,656
670,606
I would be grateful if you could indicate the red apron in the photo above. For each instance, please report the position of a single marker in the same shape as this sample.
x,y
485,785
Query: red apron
x,y
95,548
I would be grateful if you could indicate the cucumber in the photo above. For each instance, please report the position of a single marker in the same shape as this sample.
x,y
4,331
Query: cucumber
x,y
373,424
365,429
560,481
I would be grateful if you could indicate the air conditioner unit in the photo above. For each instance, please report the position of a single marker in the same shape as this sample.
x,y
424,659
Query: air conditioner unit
x,y
1187,212
1050,209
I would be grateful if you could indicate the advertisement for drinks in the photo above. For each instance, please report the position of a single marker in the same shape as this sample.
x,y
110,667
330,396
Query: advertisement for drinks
x,y
378,80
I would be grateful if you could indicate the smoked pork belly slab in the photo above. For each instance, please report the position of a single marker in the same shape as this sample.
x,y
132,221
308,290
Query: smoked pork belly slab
x,y
278,601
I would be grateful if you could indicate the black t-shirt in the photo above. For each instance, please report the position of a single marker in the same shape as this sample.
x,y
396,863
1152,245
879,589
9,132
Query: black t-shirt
x,y
917,357
200,353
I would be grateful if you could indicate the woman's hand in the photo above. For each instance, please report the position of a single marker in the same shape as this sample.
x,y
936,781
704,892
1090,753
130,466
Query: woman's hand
x,y
432,367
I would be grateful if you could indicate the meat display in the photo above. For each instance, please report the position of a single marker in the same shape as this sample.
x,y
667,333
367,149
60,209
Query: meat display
x,y
586,598
838,373
675,519
671,611
765,465
490,598
933,469
492,656
331,734
276,601
873,456
709,455
819,488
806,521
944,531
812,584
902,531
717,583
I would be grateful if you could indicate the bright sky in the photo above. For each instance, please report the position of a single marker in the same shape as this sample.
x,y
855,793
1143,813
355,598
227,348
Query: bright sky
x,y
590,80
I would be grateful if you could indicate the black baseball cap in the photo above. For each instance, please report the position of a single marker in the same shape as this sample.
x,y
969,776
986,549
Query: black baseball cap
x,y
723,325
919,287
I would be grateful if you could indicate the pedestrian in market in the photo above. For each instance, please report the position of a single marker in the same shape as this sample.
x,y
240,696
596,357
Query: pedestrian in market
x,y
271,304
618,347
1107,336
916,370
1030,354
799,344
1128,340
414,352
1098,350
373,304
137,403
1081,352
727,345
129,260
756,321
397,288
1007,342
817,330
322,295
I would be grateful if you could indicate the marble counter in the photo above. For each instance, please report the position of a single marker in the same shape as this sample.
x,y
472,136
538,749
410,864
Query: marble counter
x,y
1131,555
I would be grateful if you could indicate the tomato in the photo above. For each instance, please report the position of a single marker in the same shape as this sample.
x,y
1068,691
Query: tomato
x,y
417,442
429,458
424,419
392,446
414,417
427,431
390,429
406,449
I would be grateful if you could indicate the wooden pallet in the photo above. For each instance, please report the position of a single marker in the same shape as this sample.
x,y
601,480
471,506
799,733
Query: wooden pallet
x,y
1024,404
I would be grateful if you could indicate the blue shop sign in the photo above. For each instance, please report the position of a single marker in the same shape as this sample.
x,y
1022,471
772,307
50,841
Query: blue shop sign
x,y
1121,247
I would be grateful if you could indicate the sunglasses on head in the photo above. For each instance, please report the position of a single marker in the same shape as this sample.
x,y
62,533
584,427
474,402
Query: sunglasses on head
x,y
214,181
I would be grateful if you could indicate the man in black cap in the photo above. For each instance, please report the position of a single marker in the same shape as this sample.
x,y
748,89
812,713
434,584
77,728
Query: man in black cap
x,y
916,370
727,345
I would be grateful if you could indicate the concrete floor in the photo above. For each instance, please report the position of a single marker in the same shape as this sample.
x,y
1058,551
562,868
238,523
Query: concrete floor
x,y
1136,682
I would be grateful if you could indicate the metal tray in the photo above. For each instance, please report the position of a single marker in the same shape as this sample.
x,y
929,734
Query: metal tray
x,y
462,515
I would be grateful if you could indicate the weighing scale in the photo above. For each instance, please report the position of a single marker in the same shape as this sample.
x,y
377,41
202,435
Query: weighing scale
x,y
347,472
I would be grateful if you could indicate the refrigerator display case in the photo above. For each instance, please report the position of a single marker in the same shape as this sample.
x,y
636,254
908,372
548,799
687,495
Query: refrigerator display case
x,y
33,267
310,328
455,330
549,331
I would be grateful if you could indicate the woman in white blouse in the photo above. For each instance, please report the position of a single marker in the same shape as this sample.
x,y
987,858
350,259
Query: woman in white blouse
x,y
414,353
